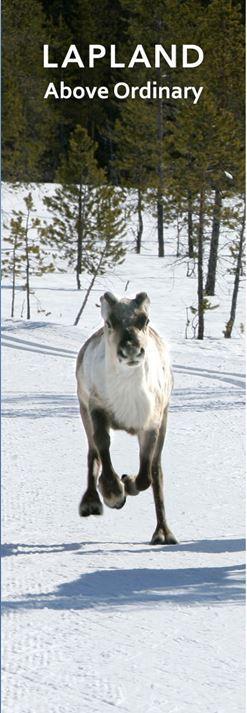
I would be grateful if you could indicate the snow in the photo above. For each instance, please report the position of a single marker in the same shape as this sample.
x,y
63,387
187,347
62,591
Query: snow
x,y
95,618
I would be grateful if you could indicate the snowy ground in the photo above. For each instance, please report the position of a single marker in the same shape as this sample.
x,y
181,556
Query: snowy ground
x,y
94,617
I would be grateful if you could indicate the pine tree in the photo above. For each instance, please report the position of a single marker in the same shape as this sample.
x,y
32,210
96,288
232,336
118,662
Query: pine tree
x,y
135,162
26,253
28,120
202,138
82,206
60,38
207,140
223,21
73,204
149,25
237,251
107,249
85,24
11,258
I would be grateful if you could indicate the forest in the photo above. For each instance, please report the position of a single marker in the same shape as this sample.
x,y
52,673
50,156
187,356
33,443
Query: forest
x,y
179,156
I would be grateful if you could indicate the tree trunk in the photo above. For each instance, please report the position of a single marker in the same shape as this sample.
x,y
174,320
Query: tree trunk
x,y
13,280
230,323
78,282
160,172
200,333
90,288
113,172
160,215
85,300
190,227
178,238
27,268
79,243
213,254
140,222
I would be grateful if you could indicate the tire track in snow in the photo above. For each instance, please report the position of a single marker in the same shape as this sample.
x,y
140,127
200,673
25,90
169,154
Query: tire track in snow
x,y
212,374
26,345
36,348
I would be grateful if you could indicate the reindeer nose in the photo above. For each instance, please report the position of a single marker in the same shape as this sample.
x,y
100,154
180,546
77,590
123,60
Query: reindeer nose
x,y
130,350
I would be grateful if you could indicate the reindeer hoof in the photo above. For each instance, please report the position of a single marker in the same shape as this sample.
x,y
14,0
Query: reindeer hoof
x,y
171,539
119,507
160,537
129,485
114,503
113,493
133,486
90,505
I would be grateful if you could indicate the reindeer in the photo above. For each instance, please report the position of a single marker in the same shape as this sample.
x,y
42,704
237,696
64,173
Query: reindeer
x,y
124,382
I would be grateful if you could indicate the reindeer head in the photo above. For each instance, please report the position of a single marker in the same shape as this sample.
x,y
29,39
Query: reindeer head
x,y
126,327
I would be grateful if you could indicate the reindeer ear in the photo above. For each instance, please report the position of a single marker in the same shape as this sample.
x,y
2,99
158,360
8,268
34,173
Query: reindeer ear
x,y
142,300
107,301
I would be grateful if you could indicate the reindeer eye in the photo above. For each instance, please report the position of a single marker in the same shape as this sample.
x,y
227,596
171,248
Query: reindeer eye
x,y
142,321
113,323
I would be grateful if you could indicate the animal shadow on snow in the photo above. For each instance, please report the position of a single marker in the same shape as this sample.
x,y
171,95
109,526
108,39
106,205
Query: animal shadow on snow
x,y
12,549
110,588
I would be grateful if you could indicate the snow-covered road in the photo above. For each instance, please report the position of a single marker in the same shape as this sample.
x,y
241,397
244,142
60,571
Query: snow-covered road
x,y
94,617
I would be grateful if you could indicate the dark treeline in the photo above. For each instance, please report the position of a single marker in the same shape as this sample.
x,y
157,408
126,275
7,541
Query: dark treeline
x,y
182,159
43,128
37,132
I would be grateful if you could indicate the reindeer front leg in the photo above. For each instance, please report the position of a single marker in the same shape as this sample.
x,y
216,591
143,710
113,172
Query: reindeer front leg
x,y
147,443
90,503
162,533
110,485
